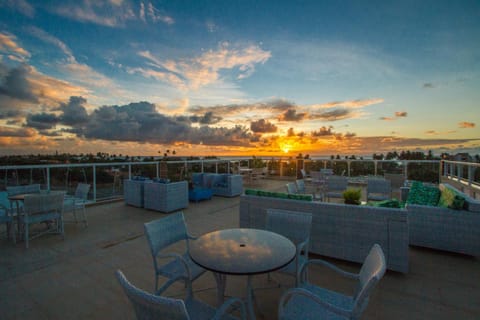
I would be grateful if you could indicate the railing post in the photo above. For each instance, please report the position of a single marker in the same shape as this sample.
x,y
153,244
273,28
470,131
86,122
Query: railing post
x,y
202,164
375,166
157,168
470,175
48,178
216,167
94,169
348,168
405,165
129,171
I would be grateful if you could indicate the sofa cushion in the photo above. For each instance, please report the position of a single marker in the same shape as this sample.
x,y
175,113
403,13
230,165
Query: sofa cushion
x,y
423,195
449,198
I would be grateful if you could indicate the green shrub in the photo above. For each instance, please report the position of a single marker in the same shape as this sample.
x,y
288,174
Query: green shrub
x,y
352,196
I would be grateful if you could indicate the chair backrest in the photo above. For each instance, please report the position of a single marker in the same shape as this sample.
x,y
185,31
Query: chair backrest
x,y
149,306
300,186
44,202
82,191
291,224
165,231
304,173
30,188
397,180
337,183
379,186
372,271
291,188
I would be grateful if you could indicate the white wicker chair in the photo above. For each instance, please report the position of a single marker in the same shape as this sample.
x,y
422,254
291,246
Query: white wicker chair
x,y
148,306
296,227
6,216
335,186
313,302
379,189
162,233
291,188
42,208
77,202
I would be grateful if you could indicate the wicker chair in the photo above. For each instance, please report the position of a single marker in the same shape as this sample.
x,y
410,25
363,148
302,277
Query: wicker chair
x,y
379,189
39,208
149,306
6,216
313,302
335,186
162,233
77,202
291,188
296,227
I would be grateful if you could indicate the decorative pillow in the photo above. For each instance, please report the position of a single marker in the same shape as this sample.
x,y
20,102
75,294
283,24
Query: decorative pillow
x,y
423,195
450,199
161,180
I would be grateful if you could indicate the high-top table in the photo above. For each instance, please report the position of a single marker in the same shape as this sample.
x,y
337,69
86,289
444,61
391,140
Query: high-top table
x,y
241,252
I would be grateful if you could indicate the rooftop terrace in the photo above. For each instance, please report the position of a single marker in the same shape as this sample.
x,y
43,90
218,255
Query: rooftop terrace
x,y
75,279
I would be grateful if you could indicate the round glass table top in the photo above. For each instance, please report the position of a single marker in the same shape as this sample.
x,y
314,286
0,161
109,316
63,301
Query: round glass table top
x,y
242,251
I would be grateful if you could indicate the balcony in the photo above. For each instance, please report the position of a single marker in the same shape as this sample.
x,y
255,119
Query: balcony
x,y
74,278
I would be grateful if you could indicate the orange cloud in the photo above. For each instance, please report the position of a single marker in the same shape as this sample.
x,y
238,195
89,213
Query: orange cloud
x,y
465,125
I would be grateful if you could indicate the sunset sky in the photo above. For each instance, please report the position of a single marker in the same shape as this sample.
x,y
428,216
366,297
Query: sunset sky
x,y
239,77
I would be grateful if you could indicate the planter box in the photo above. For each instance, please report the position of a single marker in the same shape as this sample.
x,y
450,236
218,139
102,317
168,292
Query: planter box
x,y
166,197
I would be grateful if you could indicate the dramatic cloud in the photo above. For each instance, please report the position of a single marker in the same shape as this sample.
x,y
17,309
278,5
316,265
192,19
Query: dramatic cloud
x,y
399,114
204,69
428,85
140,122
263,126
465,125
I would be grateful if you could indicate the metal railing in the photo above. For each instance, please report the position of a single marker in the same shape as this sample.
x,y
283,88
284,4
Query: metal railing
x,y
107,178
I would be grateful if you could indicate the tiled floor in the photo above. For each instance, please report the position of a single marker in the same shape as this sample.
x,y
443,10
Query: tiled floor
x,y
74,278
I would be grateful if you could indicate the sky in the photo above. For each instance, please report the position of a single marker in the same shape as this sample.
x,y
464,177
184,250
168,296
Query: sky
x,y
263,78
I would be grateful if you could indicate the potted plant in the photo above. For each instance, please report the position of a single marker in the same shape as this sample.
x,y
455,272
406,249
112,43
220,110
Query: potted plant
x,y
352,196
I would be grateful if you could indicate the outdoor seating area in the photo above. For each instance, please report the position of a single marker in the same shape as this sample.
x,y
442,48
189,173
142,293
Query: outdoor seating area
x,y
81,272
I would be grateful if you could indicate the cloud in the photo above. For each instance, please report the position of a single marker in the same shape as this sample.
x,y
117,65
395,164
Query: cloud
x,y
17,86
292,115
398,114
351,104
157,15
140,122
428,85
323,132
263,126
465,125
205,69
42,121
333,115
12,49
21,6
16,132
207,118
74,111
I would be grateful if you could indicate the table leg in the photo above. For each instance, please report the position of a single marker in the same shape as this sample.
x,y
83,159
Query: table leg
x,y
250,311
221,280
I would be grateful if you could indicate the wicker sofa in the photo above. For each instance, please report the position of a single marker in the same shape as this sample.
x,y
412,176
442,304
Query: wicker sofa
x,y
222,184
338,230
166,197
444,228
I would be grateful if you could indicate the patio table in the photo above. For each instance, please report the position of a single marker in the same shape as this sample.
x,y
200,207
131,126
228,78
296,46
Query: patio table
x,y
241,251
